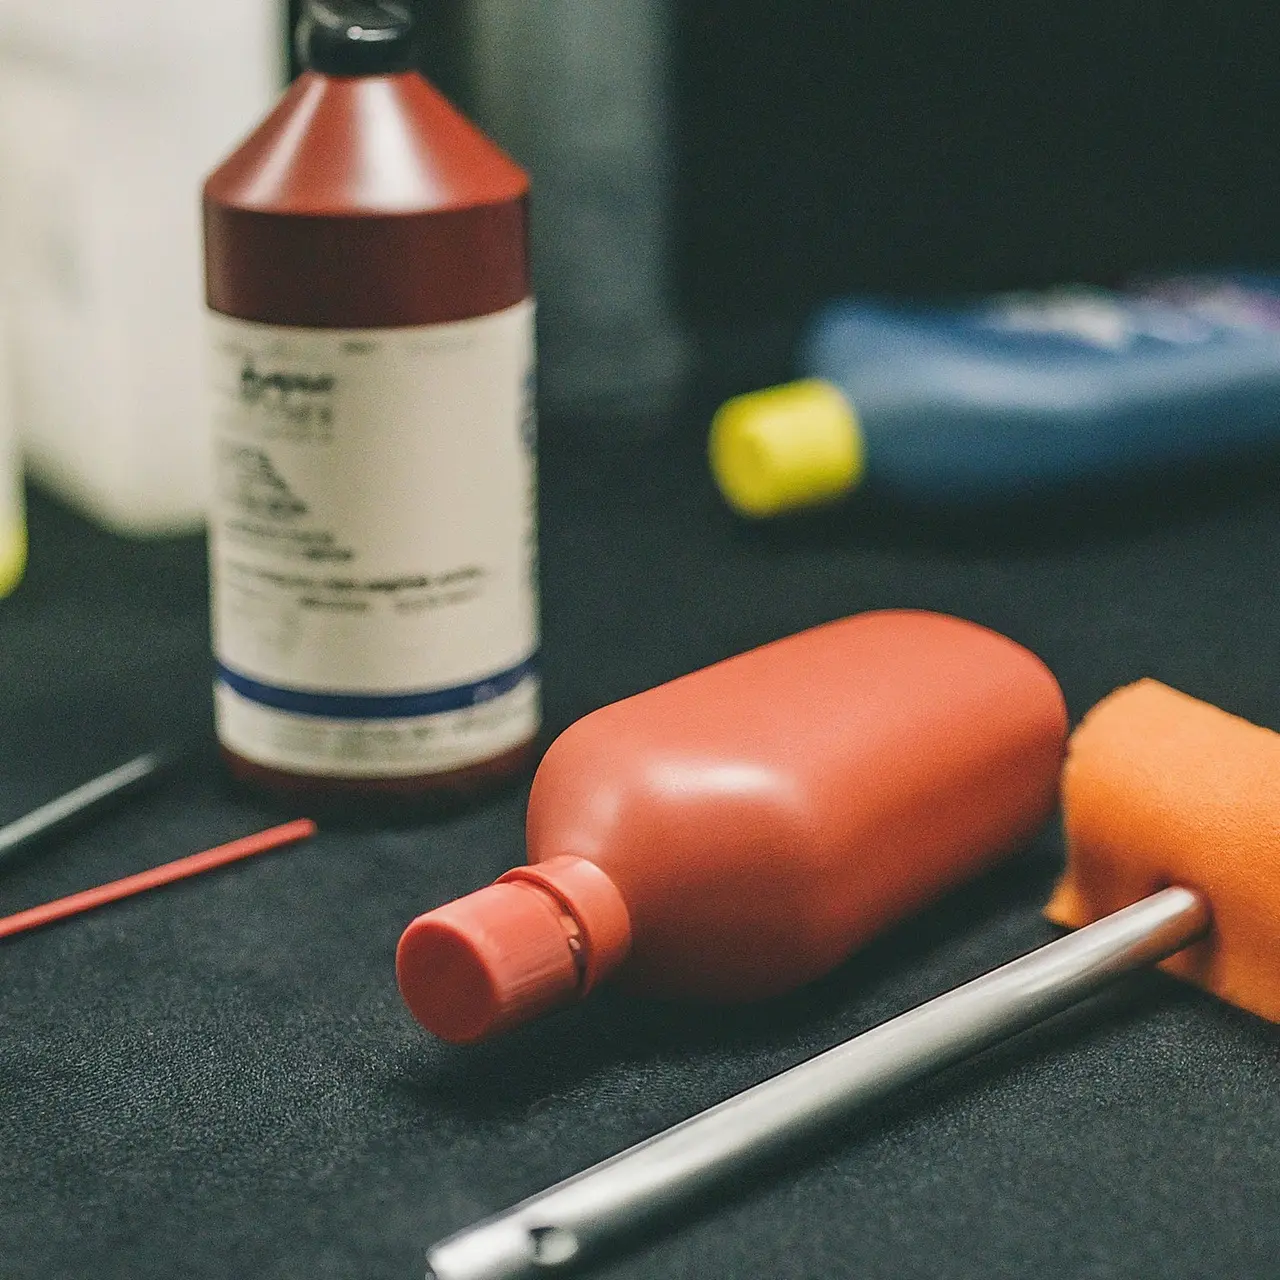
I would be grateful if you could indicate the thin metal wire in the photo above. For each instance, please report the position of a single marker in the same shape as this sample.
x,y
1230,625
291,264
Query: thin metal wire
x,y
50,819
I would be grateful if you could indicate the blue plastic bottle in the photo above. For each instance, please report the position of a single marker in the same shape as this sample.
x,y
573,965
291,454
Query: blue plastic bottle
x,y
1008,398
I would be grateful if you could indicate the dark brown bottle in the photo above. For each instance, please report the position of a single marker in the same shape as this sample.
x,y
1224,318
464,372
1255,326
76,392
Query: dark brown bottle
x,y
372,526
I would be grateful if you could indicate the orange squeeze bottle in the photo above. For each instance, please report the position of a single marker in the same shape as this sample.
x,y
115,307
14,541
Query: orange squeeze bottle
x,y
739,831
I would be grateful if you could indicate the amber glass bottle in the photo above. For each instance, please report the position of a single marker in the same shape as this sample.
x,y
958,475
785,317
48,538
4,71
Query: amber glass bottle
x,y
372,526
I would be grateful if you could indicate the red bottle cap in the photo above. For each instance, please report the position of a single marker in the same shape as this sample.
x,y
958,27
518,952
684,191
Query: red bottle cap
x,y
540,937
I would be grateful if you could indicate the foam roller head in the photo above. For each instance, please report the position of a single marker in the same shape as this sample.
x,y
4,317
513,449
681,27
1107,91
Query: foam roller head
x,y
1161,789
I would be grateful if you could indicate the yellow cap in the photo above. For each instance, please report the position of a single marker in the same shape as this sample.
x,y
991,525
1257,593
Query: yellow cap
x,y
13,556
794,446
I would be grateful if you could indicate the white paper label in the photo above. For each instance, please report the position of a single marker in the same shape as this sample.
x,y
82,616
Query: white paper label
x,y
373,544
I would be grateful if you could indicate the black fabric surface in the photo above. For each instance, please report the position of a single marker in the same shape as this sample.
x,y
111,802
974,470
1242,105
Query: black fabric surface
x,y
219,1079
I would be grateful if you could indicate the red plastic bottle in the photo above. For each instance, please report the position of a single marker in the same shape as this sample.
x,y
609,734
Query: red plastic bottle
x,y
372,530
739,831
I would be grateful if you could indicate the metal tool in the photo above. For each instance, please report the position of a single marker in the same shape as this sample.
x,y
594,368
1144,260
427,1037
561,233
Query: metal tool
x,y
51,819
579,1218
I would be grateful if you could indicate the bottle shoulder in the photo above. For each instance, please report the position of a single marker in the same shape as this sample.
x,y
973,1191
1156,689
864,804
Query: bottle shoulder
x,y
365,145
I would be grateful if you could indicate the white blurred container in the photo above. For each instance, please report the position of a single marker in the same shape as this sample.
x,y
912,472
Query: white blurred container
x,y
576,91
110,116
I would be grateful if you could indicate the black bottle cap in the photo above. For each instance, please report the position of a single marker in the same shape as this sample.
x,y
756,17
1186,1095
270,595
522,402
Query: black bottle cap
x,y
355,37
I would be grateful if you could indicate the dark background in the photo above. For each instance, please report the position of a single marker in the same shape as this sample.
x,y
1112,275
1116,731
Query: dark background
x,y
220,1080
837,145
967,146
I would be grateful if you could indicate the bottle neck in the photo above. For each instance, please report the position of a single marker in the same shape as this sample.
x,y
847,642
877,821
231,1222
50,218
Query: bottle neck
x,y
597,920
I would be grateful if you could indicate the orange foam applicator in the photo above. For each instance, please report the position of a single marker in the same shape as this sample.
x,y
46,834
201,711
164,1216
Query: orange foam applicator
x,y
1162,789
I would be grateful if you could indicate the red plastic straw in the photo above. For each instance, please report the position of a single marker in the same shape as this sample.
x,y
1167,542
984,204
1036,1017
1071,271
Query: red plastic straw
x,y
193,865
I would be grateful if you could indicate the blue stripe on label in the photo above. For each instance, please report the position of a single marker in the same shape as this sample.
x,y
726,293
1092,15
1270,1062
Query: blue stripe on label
x,y
365,706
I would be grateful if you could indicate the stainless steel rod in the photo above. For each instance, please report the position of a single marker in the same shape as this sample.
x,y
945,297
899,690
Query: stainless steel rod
x,y
51,819
570,1222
